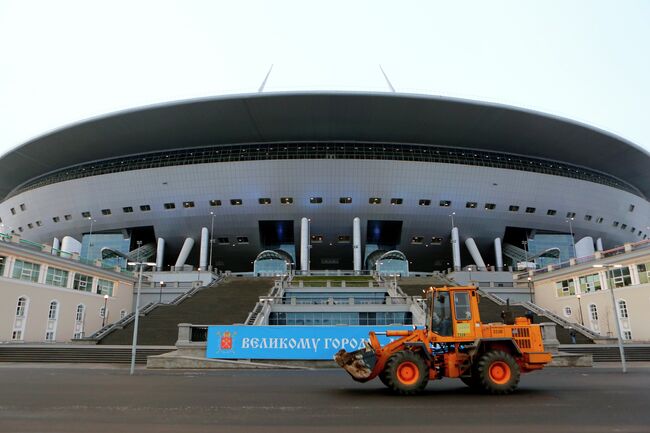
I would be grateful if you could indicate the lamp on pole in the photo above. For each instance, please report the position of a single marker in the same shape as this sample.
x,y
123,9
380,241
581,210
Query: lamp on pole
x,y
580,310
211,239
616,318
525,244
104,315
573,241
90,237
451,215
139,265
530,290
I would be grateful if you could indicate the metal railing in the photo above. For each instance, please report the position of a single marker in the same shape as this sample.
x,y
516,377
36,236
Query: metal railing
x,y
541,311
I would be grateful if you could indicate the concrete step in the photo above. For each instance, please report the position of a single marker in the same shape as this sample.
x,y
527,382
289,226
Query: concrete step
x,y
76,354
610,353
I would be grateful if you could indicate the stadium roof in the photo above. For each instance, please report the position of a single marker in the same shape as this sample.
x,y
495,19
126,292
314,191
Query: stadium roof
x,y
327,116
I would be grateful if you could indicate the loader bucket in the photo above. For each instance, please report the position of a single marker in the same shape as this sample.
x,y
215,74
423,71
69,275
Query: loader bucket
x,y
359,364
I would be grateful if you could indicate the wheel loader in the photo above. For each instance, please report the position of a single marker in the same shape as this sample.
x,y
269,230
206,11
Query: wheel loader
x,y
454,343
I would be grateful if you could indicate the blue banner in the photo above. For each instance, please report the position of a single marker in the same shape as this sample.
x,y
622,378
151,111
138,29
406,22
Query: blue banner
x,y
288,342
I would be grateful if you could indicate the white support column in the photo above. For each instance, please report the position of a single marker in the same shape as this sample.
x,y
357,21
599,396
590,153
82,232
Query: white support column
x,y
455,248
185,252
203,256
585,247
304,244
476,255
356,243
498,254
160,254
70,245
599,244
56,245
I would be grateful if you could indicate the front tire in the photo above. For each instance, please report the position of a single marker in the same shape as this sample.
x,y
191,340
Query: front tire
x,y
406,373
498,372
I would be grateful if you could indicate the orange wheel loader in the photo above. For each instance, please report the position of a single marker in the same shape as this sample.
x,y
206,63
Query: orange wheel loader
x,y
454,343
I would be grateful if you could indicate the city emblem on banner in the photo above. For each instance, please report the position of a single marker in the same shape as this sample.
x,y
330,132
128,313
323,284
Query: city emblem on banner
x,y
225,340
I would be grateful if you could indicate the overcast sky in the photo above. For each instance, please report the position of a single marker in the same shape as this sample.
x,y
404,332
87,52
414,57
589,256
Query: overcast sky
x,y
64,61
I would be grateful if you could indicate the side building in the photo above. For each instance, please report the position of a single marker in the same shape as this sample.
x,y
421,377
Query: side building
x,y
49,298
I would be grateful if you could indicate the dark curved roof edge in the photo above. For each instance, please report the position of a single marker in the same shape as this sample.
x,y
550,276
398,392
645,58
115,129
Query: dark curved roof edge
x,y
322,116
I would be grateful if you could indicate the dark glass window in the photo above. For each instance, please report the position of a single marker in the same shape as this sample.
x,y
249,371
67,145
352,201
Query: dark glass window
x,y
424,202
551,212
345,200
471,204
265,200
214,203
374,200
127,209
286,200
236,202
315,200
106,211
145,208
188,204
513,208
445,203
396,201
490,206
169,206
530,210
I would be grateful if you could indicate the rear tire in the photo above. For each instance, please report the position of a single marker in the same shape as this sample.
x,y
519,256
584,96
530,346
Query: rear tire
x,y
406,373
498,372
471,381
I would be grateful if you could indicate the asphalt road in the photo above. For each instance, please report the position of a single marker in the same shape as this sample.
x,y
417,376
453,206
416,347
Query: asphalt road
x,y
46,399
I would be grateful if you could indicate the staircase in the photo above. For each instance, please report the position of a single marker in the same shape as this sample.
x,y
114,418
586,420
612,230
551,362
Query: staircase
x,y
225,303
413,286
75,353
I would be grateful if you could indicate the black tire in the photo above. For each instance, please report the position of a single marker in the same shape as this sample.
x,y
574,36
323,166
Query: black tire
x,y
471,381
497,372
382,377
406,373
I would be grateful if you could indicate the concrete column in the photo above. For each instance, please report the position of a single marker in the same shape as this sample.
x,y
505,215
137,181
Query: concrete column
x,y
203,256
585,247
599,244
455,248
498,254
476,255
160,254
185,252
304,244
356,243
71,245
56,245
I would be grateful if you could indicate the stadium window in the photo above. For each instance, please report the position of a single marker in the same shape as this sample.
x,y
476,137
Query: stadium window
x,y
242,239
67,217
265,200
633,229
570,214
236,202
599,220
631,208
20,229
56,219
615,224
106,211
344,239
13,211
623,226
127,209
214,203
490,206
374,200
396,201
588,217
471,205
30,225
530,210
436,240
424,202
551,212
145,208
170,206
223,241
417,240
316,239
188,204
22,207
513,208
315,200
444,203
345,200
39,223
85,214
286,200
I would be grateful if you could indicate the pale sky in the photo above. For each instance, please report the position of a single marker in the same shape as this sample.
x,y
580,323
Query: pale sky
x,y
64,61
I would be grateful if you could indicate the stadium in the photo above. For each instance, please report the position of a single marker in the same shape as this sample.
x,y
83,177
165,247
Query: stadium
x,y
328,180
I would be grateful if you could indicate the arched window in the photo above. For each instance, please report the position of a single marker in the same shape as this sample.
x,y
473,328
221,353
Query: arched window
x,y
81,310
567,311
122,314
53,311
622,309
593,311
21,306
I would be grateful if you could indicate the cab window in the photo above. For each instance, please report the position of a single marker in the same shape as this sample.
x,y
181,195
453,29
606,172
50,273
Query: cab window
x,y
461,304
441,317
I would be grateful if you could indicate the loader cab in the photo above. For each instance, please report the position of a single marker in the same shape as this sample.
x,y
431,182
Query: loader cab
x,y
453,312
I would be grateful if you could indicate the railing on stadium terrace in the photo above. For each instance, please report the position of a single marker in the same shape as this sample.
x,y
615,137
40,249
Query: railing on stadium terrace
x,y
599,255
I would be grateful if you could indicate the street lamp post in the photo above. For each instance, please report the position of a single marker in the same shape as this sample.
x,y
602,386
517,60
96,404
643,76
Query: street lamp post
x,y
90,237
530,290
211,238
573,241
525,244
162,284
580,310
616,318
104,315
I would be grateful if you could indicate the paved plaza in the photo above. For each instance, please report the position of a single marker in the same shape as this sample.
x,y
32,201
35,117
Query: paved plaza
x,y
106,399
